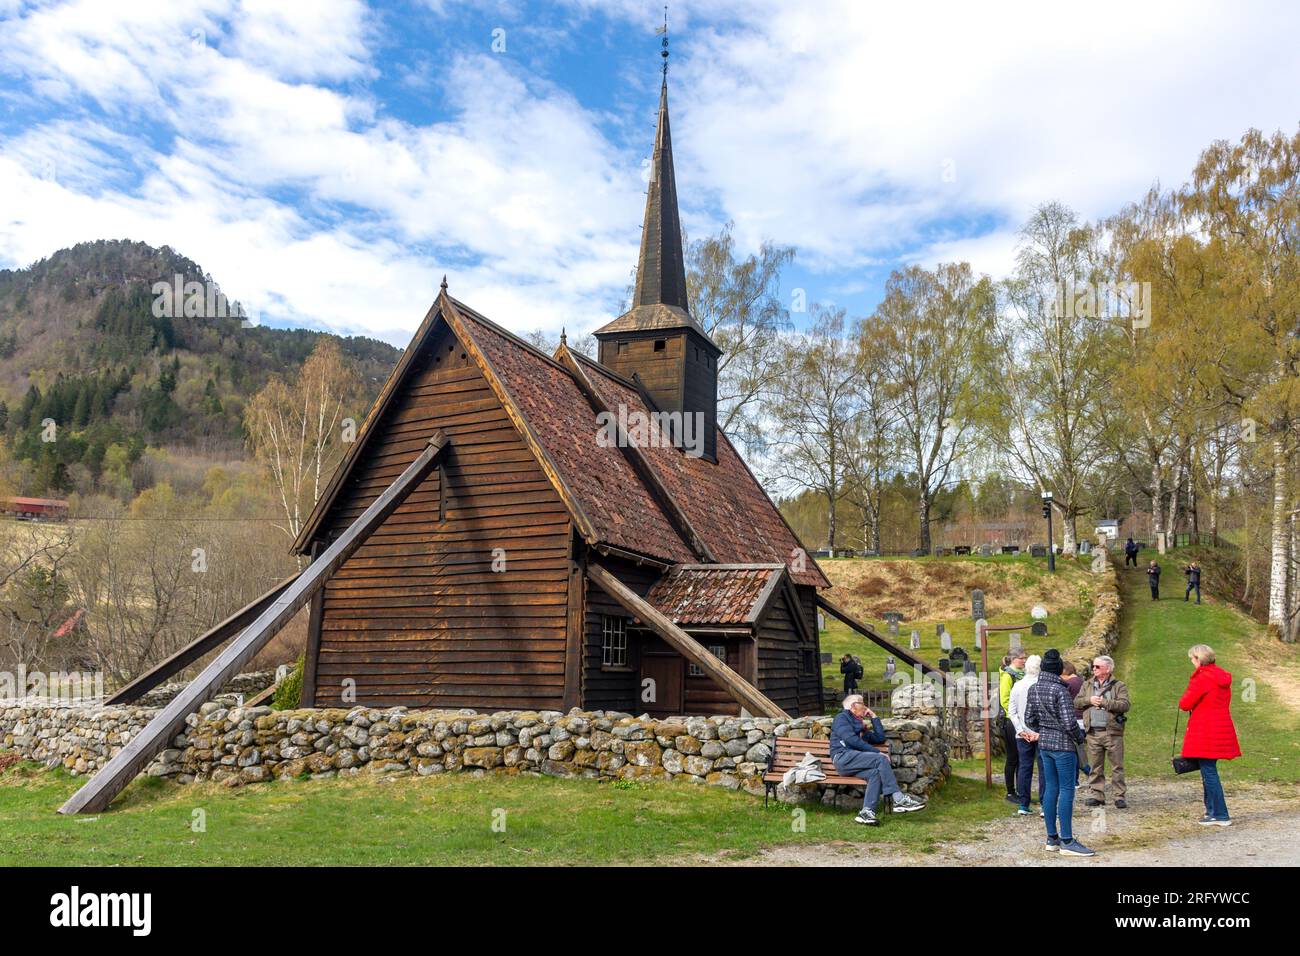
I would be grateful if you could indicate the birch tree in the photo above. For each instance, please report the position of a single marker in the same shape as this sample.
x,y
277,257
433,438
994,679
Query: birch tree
x,y
296,429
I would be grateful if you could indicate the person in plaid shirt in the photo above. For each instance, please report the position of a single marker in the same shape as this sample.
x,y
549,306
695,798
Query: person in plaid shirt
x,y
1050,720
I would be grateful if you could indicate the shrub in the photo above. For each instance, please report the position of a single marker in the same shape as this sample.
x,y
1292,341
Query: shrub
x,y
288,696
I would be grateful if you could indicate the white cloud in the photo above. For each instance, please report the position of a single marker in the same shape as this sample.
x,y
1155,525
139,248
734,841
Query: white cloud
x,y
247,134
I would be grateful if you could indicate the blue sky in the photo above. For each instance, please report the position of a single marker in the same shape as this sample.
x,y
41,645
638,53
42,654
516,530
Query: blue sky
x,y
327,162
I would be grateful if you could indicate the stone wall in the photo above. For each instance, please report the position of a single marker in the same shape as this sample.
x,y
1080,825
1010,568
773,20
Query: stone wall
x,y
1102,631
237,746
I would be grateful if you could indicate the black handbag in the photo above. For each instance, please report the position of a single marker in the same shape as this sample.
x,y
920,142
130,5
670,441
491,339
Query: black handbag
x,y
1181,764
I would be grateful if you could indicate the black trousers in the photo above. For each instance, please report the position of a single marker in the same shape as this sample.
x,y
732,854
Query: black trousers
x,y
1130,559
1155,592
1012,753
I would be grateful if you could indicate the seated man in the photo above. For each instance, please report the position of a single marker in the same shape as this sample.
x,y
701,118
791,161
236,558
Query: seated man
x,y
854,755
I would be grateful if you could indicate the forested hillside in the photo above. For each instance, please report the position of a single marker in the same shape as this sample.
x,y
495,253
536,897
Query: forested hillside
x,y
90,376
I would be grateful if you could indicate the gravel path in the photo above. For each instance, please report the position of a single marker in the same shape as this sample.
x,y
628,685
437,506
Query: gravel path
x,y
1158,829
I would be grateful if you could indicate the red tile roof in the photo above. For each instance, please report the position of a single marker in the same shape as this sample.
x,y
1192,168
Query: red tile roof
x,y
609,491
724,502
713,594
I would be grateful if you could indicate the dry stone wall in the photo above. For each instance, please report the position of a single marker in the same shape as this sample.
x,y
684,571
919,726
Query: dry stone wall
x,y
243,745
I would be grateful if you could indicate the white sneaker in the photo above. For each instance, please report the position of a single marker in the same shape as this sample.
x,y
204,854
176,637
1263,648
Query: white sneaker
x,y
866,817
903,803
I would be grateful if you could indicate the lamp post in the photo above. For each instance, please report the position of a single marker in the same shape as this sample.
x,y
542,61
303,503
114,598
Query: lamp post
x,y
1051,541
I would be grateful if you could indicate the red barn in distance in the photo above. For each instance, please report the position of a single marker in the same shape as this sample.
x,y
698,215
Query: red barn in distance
x,y
34,509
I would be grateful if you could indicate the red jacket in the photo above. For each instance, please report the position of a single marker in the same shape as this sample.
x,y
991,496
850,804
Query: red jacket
x,y
1210,733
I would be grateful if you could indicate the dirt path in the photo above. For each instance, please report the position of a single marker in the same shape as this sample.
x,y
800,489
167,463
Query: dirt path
x,y
1158,829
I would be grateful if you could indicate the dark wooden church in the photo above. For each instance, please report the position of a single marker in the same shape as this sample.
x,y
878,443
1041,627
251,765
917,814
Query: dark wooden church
x,y
537,565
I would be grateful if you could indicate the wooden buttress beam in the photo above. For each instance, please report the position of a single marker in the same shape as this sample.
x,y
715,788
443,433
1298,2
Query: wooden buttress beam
x,y
745,693
192,651
871,634
100,790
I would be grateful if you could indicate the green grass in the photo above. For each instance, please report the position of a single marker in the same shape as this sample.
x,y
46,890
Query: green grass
x,y
1152,659
438,820
1021,571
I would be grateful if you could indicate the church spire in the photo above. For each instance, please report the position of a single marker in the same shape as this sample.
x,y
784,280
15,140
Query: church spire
x,y
659,296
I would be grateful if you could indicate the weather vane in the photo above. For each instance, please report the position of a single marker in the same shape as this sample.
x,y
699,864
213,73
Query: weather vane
x,y
663,31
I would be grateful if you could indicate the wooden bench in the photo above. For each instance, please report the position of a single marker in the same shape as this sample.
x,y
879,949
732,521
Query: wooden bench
x,y
788,751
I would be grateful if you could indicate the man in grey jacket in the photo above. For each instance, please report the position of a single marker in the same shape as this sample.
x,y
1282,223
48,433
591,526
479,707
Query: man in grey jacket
x,y
854,754
1103,702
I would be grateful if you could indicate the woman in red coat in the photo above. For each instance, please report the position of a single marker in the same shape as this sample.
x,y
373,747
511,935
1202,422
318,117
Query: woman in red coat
x,y
1210,735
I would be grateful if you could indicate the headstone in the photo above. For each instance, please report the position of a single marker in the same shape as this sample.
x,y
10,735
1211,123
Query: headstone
x,y
828,659
920,553
976,604
893,617
893,627
821,621
889,667
1038,629
915,642
962,549
986,550
1038,550
1015,647
1038,612
979,636
945,641
944,664
1085,547
959,654
968,667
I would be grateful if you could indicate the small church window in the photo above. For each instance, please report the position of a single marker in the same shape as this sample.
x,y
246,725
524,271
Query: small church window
x,y
661,344
622,347
613,643
717,650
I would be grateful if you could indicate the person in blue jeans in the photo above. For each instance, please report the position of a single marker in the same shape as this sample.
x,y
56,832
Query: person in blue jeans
x,y
1050,722
854,753
1216,804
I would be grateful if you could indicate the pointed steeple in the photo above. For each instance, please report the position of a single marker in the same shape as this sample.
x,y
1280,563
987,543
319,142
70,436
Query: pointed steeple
x,y
659,297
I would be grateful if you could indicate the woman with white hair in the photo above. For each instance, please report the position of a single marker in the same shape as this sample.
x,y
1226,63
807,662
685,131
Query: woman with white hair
x,y
1027,750
1210,736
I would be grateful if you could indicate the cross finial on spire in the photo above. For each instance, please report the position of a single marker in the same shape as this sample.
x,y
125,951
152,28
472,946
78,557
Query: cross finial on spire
x,y
563,339
444,282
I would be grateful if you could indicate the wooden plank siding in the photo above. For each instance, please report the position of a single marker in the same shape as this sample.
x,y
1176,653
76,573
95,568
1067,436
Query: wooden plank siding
x,y
417,616
810,685
613,689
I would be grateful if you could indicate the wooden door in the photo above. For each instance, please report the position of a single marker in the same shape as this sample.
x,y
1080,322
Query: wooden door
x,y
666,670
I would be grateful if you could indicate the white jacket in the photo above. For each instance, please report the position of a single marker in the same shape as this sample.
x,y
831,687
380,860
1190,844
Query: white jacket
x,y
1016,705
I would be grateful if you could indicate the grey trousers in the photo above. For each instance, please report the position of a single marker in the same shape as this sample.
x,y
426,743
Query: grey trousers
x,y
873,767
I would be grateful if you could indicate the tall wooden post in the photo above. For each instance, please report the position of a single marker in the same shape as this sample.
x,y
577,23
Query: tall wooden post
x,y
981,628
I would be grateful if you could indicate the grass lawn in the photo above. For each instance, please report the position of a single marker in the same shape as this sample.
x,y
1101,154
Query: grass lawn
x,y
445,820
1152,659
1015,585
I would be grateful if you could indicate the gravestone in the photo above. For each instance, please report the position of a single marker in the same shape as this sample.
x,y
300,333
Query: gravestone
x,y
959,654
986,550
1038,628
976,604
1085,547
962,549
945,665
828,659
945,640
1015,647
920,553
968,667
893,627
1038,550
1011,549
915,642
821,621
890,668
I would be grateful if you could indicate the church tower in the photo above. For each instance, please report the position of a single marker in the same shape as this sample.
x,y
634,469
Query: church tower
x,y
658,341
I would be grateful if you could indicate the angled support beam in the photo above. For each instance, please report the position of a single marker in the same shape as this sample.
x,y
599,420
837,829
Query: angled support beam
x,y
100,790
192,651
741,690
870,633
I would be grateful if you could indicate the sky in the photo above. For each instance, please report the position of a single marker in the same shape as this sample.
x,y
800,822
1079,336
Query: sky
x,y
327,162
